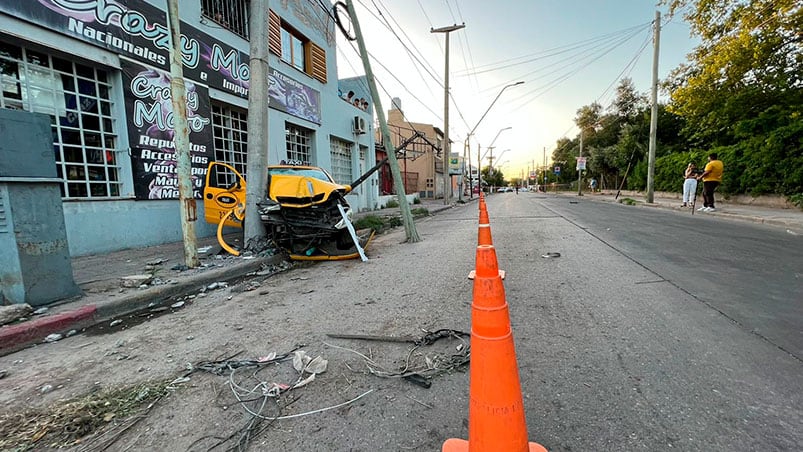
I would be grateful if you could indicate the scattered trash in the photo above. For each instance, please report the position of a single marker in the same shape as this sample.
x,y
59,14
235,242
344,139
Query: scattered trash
x,y
45,389
218,285
53,337
14,312
3,374
41,310
180,380
304,363
204,249
180,267
116,322
420,374
177,305
136,280
791,232
189,338
549,255
158,261
71,333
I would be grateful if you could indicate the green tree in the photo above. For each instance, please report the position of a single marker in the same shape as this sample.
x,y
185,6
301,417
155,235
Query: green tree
x,y
740,94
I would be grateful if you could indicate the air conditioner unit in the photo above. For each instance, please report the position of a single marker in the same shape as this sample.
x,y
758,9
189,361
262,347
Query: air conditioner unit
x,y
359,125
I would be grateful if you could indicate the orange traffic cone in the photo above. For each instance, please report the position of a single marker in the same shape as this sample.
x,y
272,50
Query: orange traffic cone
x,y
496,409
484,232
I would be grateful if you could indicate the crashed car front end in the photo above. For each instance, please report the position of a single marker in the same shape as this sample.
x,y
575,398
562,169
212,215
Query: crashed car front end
x,y
302,203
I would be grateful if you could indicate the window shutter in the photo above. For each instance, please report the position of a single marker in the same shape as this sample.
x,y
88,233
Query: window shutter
x,y
317,62
274,33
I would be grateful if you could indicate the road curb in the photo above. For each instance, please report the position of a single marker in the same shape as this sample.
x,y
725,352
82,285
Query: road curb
x,y
16,337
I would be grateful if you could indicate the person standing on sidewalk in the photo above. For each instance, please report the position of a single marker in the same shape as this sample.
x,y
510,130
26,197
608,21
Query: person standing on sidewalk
x,y
689,183
711,177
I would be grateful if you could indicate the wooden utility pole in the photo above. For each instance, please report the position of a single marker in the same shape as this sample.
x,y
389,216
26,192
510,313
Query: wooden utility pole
x,y
447,147
406,214
257,169
654,112
181,139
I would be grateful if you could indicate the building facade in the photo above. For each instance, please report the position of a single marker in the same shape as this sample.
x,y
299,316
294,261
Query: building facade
x,y
420,156
100,70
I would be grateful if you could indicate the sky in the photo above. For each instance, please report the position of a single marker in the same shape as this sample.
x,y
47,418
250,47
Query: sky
x,y
568,53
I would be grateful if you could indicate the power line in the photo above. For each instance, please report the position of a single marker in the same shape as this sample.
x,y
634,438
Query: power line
x,y
595,41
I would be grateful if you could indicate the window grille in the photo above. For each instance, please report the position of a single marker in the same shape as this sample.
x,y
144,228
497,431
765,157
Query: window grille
x,y
78,99
341,160
230,129
230,14
299,143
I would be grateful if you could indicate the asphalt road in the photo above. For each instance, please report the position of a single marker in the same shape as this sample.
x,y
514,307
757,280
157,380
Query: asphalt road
x,y
653,330
751,273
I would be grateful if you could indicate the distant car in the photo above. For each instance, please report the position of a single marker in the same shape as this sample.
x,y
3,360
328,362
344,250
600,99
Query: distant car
x,y
524,189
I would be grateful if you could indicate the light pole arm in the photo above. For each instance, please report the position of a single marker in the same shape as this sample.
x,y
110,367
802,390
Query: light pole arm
x,y
492,104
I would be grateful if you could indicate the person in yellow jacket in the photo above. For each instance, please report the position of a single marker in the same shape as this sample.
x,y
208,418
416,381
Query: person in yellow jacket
x,y
711,177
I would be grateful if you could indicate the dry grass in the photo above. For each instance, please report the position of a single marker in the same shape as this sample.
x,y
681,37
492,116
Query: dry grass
x,y
68,423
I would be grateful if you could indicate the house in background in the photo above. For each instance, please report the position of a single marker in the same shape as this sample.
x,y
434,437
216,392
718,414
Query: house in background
x,y
104,82
421,159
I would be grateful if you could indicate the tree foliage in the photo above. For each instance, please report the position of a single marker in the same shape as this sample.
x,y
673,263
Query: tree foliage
x,y
740,94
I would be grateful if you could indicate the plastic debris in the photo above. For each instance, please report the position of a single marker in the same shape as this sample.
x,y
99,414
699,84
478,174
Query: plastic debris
x,y
53,337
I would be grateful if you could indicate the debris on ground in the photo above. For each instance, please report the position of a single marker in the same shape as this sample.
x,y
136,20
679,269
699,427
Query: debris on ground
x,y
132,281
260,395
94,421
55,337
417,368
14,312
550,255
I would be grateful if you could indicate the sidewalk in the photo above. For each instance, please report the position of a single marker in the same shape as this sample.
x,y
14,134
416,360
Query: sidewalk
x,y
791,219
104,298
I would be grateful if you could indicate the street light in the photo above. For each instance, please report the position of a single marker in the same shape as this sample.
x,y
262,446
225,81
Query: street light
x,y
465,149
499,133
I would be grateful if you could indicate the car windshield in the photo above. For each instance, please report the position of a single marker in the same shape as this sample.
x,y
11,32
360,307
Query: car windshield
x,y
301,172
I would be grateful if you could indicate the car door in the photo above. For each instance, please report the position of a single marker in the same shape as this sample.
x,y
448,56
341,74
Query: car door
x,y
224,190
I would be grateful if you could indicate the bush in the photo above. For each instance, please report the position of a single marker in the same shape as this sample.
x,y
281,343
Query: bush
x,y
420,212
416,200
370,221
391,203
394,222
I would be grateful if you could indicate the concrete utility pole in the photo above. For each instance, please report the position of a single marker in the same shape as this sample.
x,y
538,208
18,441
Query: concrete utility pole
x,y
654,112
447,179
257,169
181,137
579,171
406,214
467,156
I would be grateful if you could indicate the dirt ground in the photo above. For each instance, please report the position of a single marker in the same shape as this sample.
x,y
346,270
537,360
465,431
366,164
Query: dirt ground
x,y
157,382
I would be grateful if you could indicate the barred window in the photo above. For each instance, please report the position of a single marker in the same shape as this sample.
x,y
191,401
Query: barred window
x,y
230,129
231,14
78,99
299,143
341,160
